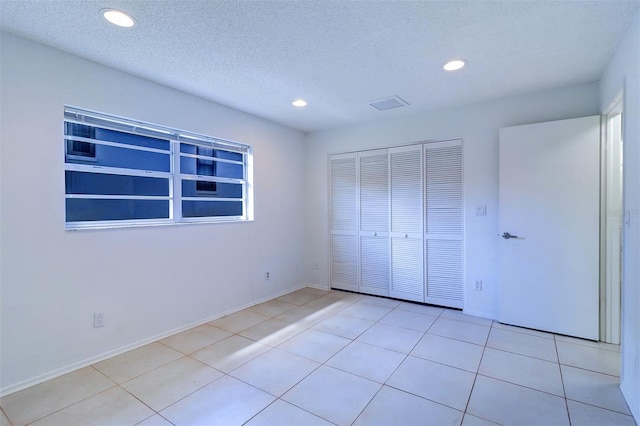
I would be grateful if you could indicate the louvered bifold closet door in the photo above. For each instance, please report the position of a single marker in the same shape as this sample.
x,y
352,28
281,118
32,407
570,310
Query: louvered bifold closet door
x,y
444,225
406,234
344,221
374,222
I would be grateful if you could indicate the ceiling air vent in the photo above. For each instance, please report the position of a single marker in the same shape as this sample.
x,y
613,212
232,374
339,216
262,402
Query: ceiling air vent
x,y
388,103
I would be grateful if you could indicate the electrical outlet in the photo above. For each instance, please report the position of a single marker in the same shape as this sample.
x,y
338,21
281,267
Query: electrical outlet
x,y
478,285
98,319
266,276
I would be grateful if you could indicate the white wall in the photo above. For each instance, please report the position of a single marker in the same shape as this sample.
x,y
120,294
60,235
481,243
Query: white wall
x,y
147,281
478,125
624,72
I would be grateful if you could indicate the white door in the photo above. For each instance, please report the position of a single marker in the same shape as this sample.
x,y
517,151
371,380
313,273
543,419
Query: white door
x,y
549,199
407,258
373,179
344,221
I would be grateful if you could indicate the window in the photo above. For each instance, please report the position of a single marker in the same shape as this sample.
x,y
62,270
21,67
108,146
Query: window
x,y
121,172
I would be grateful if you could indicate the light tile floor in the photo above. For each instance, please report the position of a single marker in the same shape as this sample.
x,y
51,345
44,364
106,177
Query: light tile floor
x,y
315,357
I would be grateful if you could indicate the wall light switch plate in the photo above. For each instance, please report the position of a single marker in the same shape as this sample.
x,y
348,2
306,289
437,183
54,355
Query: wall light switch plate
x,y
481,211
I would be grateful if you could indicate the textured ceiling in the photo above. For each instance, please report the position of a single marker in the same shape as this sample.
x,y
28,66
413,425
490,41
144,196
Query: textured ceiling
x,y
258,56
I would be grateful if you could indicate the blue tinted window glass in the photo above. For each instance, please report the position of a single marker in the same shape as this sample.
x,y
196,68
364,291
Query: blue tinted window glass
x,y
110,156
190,188
80,209
99,183
130,139
204,167
211,208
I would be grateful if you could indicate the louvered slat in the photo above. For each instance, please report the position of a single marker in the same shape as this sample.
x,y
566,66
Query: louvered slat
x,y
343,194
407,271
444,269
374,192
406,191
444,189
344,261
374,265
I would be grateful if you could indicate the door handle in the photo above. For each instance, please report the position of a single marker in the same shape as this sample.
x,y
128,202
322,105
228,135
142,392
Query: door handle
x,y
507,235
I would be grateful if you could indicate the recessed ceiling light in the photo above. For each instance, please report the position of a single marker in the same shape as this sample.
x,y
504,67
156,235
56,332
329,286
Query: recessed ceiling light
x,y
118,17
299,103
454,65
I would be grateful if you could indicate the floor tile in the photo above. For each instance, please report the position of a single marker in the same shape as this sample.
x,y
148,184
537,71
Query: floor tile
x,y
440,383
155,420
316,291
390,337
364,311
584,342
523,344
165,385
345,295
111,407
40,400
408,319
303,315
272,308
315,345
589,358
383,302
298,297
282,413
332,394
230,353
588,415
371,362
196,338
132,364
239,321
344,326
4,420
470,420
510,404
328,305
454,353
524,330
275,371
522,370
394,407
458,315
460,330
601,390
226,401
272,332
420,308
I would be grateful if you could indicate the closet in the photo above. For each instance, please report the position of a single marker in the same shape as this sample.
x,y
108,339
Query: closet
x,y
396,219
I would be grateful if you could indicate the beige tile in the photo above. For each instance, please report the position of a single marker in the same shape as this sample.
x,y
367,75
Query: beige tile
x,y
408,319
4,420
316,291
304,316
196,338
165,385
272,332
45,398
298,297
470,420
454,353
364,311
344,295
522,370
577,341
593,388
588,415
420,308
344,326
155,420
282,413
383,302
315,345
440,383
390,337
272,308
333,395
230,353
226,401
459,316
328,305
589,358
239,321
112,407
394,407
510,404
138,361
523,344
371,362
524,330
275,371
460,330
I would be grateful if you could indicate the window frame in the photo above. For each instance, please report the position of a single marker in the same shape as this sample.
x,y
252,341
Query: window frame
x,y
175,175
